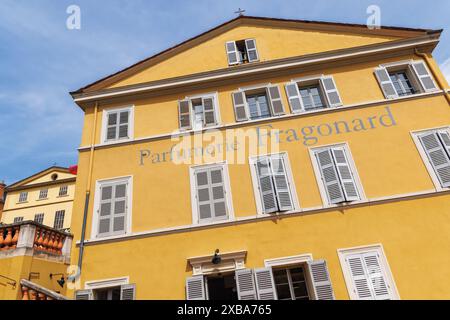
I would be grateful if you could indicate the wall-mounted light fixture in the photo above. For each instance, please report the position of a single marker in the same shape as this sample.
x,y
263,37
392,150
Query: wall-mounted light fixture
x,y
216,259
60,281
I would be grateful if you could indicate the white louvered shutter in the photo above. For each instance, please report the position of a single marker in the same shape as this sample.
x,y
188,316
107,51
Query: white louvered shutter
x,y
438,156
252,52
376,276
329,176
211,199
320,279
245,284
331,91
195,288
265,185
84,295
184,114
385,83
425,78
361,285
232,53
295,100
239,104
128,292
265,284
276,105
445,139
281,181
209,114
345,174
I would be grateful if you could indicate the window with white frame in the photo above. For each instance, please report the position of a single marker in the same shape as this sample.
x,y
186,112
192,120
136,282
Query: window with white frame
x,y
273,183
198,112
63,191
121,292
58,223
313,93
211,193
266,283
118,124
337,174
23,196
43,194
405,78
242,51
113,208
257,103
39,218
367,274
18,219
435,144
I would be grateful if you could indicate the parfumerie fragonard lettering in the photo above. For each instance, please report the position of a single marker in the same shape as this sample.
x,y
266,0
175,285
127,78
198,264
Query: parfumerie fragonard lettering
x,y
307,135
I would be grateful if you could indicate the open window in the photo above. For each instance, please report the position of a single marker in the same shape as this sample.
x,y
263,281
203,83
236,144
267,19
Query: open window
x,y
257,103
313,93
198,112
242,51
405,78
120,292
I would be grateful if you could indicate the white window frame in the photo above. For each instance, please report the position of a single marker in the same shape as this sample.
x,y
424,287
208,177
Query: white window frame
x,y
254,175
407,65
415,136
20,197
318,174
97,196
262,86
228,196
215,96
378,248
63,188
104,131
43,194
39,215
105,284
56,216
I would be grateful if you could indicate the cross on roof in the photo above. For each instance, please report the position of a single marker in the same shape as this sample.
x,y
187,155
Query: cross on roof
x,y
240,12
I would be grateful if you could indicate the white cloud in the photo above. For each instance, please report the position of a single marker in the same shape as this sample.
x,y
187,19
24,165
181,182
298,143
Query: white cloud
x,y
445,67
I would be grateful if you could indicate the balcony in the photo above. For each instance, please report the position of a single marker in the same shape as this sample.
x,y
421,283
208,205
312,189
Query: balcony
x,y
29,238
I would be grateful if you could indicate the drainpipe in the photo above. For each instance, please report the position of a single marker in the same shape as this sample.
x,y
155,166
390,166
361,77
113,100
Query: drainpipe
x,y
88,190
434,72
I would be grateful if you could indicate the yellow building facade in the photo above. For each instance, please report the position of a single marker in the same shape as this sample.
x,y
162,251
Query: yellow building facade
x,y
268,159
45,197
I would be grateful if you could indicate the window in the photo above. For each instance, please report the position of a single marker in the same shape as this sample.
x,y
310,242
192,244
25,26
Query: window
x,y
338,178
198,113
261,284
242,51
258,103
118,124
43,194
23,197
273,183
113,214
59,220
313,93
18,219
435,147
290,283
63,191
367,274
211,193
405,78
39,218
123,292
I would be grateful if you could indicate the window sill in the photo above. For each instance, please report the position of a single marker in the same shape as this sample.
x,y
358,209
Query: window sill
x,y
63,196
43,199
22,202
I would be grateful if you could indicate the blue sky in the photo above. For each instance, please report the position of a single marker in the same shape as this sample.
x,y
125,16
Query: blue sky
x,y
41,60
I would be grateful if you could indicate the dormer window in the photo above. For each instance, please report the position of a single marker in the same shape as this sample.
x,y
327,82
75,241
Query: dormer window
x,y
242,51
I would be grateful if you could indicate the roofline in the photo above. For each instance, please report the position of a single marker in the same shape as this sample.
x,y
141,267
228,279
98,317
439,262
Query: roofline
x,y
278,64
13,185
427,31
